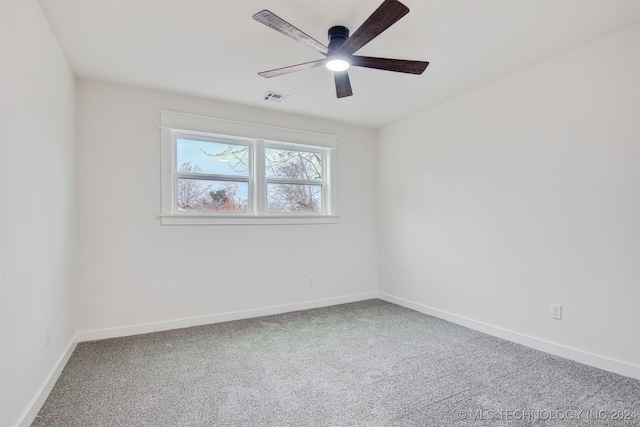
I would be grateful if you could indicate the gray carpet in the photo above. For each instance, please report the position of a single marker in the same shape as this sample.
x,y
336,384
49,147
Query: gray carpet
x,y
369,363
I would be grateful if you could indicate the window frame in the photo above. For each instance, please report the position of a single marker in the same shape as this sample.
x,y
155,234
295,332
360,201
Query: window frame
x,y
210,176
323,183
179,125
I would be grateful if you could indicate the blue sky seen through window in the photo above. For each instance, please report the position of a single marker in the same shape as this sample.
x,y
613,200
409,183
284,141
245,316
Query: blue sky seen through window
x,y
214,176
213,157
196,157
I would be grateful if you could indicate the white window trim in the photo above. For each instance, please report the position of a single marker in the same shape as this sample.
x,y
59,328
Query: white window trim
x,y
261,135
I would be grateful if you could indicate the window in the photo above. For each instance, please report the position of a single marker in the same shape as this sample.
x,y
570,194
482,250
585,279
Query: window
x,y
222,172
294,180
211,175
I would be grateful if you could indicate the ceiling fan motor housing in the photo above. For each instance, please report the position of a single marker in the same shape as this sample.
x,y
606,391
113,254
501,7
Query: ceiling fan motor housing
x,y
337,36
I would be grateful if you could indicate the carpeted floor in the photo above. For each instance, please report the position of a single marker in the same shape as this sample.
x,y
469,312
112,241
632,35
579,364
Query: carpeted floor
x,y
369,363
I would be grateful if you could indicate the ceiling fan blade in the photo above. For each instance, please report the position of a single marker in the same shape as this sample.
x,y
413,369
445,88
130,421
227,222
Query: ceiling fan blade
x,y
387,14
273,21
292,68
397,65
343,85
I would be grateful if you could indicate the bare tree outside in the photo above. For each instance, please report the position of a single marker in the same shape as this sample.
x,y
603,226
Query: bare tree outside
x,y
206,195
295,179
294,198
297,166
237,157
233,200
189,190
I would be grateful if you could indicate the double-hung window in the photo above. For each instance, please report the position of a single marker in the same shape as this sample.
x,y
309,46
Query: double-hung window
x,y
211,175
223,172
294,179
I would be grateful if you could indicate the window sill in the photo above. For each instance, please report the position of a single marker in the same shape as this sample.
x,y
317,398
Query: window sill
x,y
247,219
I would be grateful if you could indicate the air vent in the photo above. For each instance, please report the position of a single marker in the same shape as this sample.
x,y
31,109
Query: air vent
x,y
275,97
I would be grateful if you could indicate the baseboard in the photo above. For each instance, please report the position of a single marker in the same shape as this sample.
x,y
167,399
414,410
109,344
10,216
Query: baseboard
x,y
99,334
587,358
597,361
36,403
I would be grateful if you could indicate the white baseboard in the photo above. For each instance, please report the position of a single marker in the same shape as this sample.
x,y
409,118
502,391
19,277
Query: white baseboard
x,y
597,361
99,334
587,358
38,400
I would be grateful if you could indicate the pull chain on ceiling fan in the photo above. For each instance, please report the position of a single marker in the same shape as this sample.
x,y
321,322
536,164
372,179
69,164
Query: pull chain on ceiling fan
x,y
340,52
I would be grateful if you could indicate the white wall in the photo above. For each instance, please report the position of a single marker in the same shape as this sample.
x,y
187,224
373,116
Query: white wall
x,y
37,207
522,194
133,271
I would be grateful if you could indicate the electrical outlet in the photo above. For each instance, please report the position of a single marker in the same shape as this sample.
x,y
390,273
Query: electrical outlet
x,y
556,311
47,336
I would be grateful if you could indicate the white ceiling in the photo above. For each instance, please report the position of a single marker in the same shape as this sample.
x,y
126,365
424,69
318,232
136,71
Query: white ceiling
x,y
213,48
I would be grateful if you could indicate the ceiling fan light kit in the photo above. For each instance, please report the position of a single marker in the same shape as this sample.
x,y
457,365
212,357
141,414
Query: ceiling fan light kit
x,y
340,52
335,60
338,64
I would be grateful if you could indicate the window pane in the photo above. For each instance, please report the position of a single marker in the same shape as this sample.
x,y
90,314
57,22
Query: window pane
x,y
291,164
294,198
216,158
215,196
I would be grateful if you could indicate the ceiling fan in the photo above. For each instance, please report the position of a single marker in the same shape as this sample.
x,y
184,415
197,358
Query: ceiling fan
x,y
340,52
